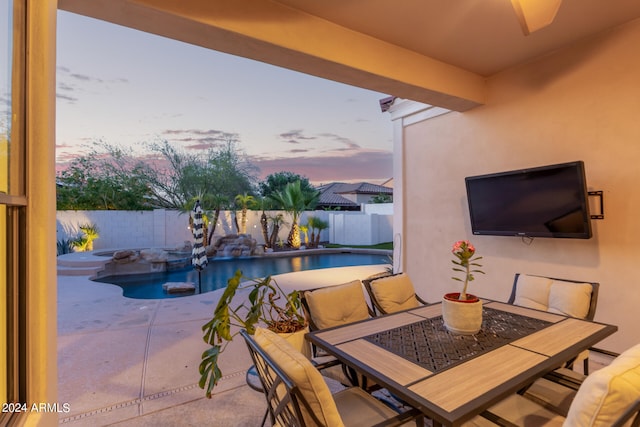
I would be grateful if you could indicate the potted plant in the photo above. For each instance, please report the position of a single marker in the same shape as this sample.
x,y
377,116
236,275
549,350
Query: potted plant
x,y
265,305
462,312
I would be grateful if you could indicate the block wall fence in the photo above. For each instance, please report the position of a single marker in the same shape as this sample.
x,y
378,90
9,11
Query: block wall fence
x,y
162,228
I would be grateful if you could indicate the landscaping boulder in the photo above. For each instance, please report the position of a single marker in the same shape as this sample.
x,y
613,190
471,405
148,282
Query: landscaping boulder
x,y
234,245
154,255
124,256
178,287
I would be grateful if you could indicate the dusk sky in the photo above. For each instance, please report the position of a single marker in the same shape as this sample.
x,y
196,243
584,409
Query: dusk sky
x,y
126,87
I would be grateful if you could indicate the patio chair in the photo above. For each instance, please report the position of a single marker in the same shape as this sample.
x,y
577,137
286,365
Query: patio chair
x,y
392,293
297,394
331,306
609,397
335,305
562,296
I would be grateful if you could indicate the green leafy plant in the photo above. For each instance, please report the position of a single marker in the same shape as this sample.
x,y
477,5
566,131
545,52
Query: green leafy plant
x,y
266,305
85,242
464,251
65,246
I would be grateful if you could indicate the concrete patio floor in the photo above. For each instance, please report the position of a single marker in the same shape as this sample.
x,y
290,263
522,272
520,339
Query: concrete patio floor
x,y
134,362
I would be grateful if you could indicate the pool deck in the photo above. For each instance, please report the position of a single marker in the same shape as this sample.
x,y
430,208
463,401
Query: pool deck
x,y
134,362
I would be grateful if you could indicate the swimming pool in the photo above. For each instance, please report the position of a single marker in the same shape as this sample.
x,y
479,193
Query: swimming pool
x,y
216,274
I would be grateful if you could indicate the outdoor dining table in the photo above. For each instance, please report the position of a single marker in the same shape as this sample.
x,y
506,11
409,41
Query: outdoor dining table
x,y
452,378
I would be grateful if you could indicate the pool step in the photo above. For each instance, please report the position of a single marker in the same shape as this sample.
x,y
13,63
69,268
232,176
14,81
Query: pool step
x,y
83,261
79,264
77,271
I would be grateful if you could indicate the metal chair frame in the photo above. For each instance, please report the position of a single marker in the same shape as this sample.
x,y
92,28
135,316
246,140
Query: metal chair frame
x,y
284,398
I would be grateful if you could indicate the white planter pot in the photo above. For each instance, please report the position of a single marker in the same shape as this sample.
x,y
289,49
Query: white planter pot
x,y
297,340
461,317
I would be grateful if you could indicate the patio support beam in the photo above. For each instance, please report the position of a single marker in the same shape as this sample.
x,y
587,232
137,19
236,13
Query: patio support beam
x,y
271,32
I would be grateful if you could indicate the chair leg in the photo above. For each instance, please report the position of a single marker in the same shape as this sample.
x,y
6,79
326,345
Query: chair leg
x,y
264,419
585,366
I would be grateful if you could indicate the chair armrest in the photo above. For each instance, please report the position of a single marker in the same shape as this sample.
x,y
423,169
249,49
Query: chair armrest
x,y
605,352
497,420
421,301
324,365
566,377
402,418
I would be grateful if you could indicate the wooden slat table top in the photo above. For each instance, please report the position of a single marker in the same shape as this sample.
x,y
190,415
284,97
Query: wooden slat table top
x,y
529,312
428,311
560,336
362,329
392,366
455,387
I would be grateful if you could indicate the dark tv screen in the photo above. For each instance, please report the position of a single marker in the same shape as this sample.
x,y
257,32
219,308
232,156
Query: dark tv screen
x,y
547,201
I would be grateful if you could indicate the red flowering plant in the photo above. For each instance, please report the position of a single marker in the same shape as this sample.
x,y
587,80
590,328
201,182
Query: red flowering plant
x,y
465,263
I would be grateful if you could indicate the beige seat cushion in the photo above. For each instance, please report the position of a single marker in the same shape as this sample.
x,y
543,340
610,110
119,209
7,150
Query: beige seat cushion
x,y
569,298
300,370
337,305
533,292
608,392
358,408
556,296
395,293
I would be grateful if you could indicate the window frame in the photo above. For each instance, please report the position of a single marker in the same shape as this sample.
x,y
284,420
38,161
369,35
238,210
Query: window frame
x,y
15,204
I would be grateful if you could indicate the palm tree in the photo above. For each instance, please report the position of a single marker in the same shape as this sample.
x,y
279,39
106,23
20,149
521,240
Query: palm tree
x,y
276,221
245,201
320,225
211,204
215,204
294,201
317,225
304,229
263,203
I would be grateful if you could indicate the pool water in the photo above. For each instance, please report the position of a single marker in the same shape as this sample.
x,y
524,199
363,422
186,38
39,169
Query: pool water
x,y
216,274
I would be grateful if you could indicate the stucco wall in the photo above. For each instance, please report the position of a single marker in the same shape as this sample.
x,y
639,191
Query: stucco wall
x,y
581,103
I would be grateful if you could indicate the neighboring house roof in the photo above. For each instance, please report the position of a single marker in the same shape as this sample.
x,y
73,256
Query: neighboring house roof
x,y
331,194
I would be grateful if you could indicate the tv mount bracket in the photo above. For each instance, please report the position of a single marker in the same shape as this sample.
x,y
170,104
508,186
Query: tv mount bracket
x,y
600,196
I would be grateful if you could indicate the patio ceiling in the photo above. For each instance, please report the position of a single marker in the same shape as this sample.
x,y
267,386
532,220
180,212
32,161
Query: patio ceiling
x,y
434,51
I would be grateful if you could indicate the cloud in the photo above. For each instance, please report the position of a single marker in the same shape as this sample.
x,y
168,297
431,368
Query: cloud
x,y
83,77
199,139
64,86
69,81
71,99
370,166
347,142
296,136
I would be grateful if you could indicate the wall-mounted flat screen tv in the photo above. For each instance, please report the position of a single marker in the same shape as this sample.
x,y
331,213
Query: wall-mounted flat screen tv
x,y
547,201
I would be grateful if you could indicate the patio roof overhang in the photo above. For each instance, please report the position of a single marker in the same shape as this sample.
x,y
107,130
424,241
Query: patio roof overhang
x,y
274,33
